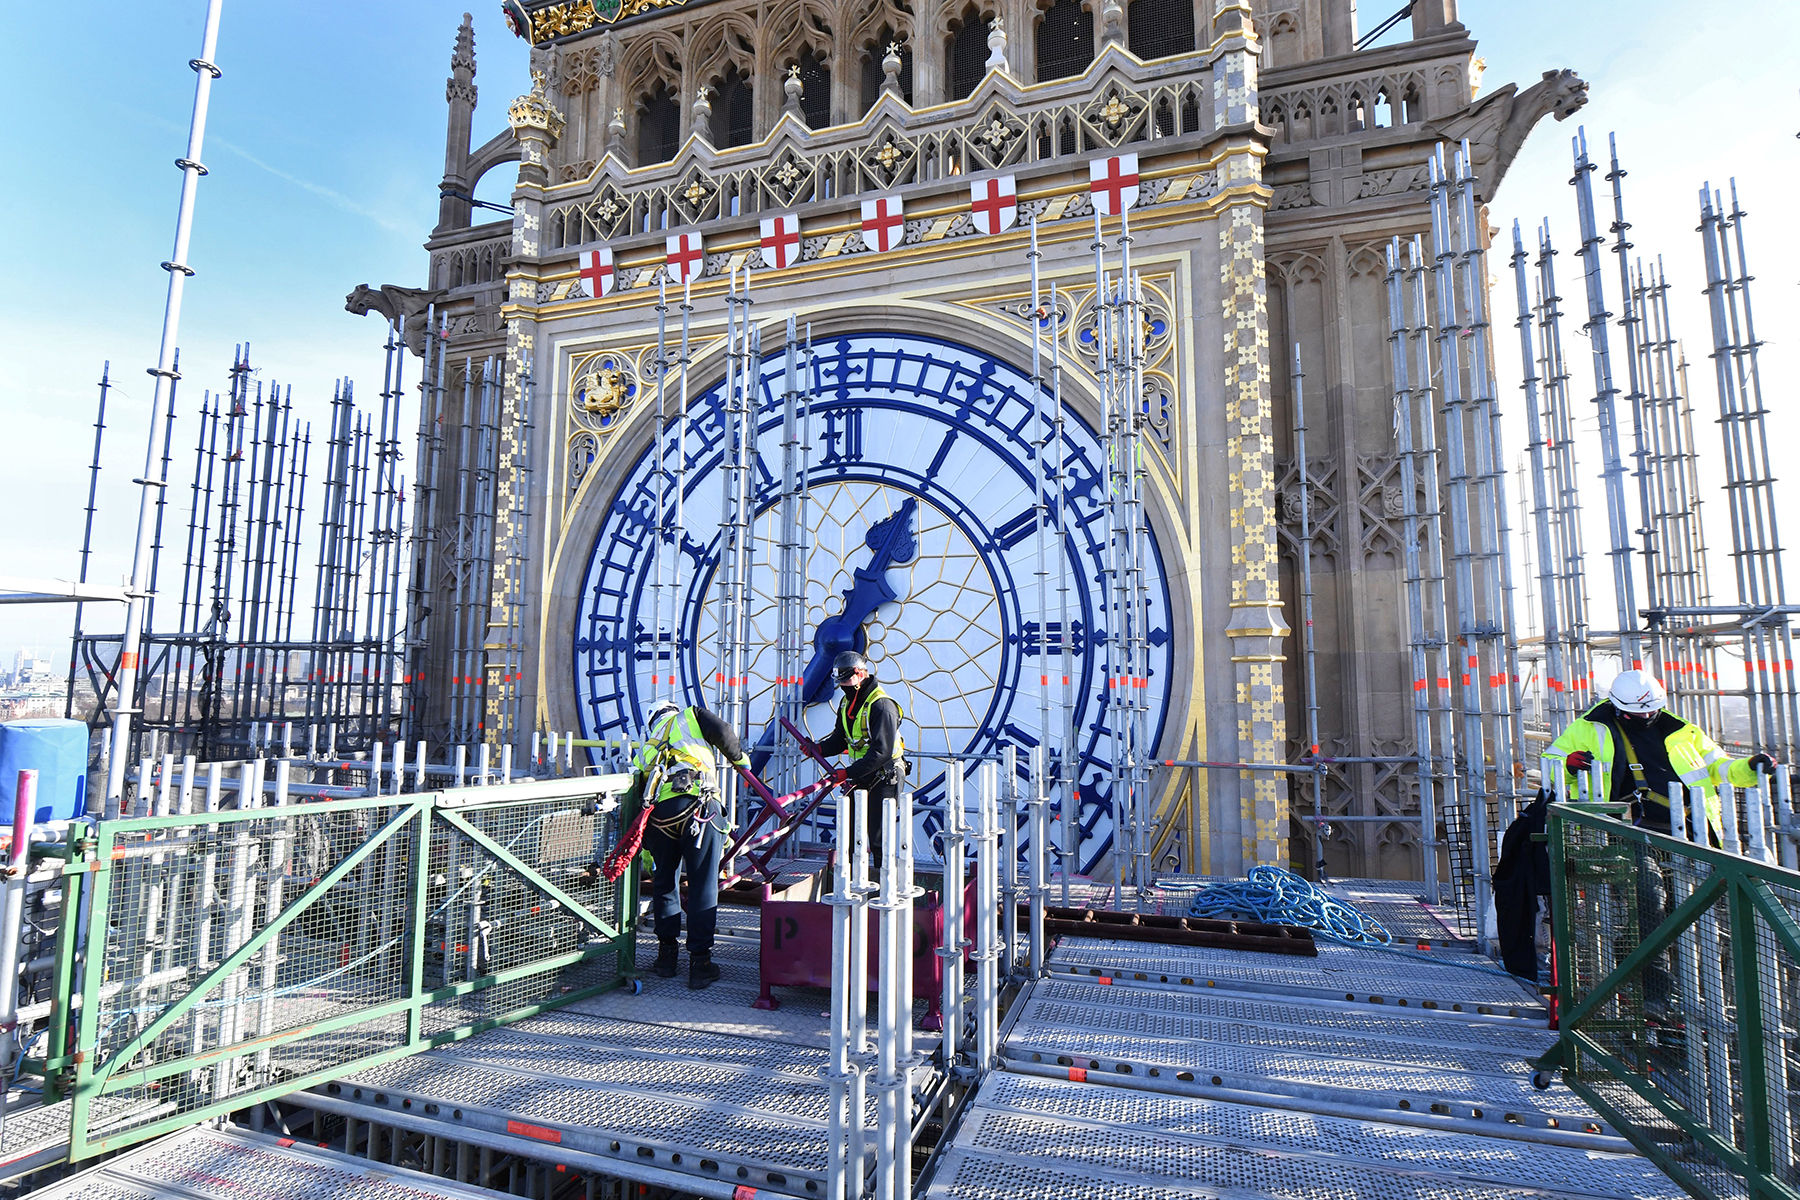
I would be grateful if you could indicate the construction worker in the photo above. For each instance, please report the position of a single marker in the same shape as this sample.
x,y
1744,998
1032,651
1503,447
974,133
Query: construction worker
x,y
868,730
685,827
1645,749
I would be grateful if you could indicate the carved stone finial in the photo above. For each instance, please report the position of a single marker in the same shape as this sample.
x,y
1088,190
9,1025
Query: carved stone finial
x,y
793,88
890,70
534,110
464,54
1112,21
702,105
536,125
996,59
615,133
461,84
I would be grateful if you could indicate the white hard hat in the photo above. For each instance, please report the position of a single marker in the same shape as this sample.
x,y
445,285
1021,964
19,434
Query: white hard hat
x,y
1637,692
666,706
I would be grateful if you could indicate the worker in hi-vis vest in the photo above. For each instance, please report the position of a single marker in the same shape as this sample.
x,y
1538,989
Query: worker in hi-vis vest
x,y
868,730
1644,750
686,825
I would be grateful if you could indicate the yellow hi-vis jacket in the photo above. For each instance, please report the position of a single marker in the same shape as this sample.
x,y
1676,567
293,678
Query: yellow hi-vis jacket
x,y
1695,758
684,745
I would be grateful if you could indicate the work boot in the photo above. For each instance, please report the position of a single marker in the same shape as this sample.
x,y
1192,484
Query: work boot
x,y
668,956
702,971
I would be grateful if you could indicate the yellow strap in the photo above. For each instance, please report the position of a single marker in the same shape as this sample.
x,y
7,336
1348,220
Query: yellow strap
x,y
1637,768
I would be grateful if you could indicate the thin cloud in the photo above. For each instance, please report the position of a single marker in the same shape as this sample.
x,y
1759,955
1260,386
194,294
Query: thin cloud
x,y
335,198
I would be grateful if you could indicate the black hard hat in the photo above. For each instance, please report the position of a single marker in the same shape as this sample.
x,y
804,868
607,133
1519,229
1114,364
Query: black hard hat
x,y
848,663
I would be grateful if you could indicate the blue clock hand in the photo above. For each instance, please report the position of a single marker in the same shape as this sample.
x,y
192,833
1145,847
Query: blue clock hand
x,y
891,542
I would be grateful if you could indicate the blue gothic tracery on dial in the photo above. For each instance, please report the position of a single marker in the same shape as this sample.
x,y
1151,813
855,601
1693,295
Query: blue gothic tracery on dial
x,y
897,418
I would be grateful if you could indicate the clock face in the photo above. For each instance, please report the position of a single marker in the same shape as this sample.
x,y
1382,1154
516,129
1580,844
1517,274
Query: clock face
x,y
920,479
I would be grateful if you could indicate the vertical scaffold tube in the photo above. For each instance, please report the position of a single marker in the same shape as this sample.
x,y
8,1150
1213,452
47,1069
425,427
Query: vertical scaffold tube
x,y
1038,830
859,993
987,955
1415,582
887,1007
955,871
1008,808
901,834
165,374
837,1161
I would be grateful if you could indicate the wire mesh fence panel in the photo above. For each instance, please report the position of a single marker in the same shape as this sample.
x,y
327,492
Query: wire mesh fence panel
x,y
1677,973
229,957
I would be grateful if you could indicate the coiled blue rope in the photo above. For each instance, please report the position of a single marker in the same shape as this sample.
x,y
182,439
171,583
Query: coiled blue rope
x,y
1283,898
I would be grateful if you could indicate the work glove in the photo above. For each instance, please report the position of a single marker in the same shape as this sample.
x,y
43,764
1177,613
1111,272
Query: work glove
x,y
1581,760
1762,762
840,778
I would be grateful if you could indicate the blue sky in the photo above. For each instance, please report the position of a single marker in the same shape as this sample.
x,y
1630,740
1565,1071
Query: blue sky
x,y
325,145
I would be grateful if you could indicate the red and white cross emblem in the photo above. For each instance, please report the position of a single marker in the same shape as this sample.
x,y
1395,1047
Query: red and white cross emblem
x,y
994,204
781,241
883,223
597,271
1114,183
685,257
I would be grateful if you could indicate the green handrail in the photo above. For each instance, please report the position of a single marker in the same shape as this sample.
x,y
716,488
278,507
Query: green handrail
x,y
1677,1013
115,873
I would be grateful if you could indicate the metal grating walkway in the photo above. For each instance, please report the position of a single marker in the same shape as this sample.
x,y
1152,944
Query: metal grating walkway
x,y
1143,1072
1338,973
691,1084
1038,1137
213,1164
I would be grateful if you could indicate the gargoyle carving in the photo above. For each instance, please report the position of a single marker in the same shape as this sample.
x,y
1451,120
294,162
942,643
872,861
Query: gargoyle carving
x,y
398,304
1496,125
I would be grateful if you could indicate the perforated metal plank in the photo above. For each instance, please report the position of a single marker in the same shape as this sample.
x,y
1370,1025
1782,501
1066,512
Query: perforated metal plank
x,y
678,1042
1339,972
1148,1025
693,1116
211,1164
37,1135
1162,1012
1037,1137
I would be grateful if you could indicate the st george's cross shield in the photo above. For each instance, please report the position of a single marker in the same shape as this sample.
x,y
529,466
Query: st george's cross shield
x,y
994,204
883,223
781,241
1114,183
685,257
597,271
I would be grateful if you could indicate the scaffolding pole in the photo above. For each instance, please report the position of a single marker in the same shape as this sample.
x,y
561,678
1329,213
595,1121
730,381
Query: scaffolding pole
x,y
1606,392
1749,478
1118,308
138,594
737,523
1556,661
1424,574
1568,543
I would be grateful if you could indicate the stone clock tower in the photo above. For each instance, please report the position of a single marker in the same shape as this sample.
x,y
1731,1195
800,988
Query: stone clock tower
x,y
660,142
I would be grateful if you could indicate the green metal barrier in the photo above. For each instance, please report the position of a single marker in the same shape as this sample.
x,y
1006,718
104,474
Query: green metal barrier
x,y
1677,997
217,960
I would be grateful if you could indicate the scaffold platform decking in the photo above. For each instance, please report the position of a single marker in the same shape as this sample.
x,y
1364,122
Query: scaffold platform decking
x,y
1174,1072
213,1164
1022,1136
693,1084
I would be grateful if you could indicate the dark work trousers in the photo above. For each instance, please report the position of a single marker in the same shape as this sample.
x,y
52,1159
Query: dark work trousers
x,y
1652,911
699,857
878,798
